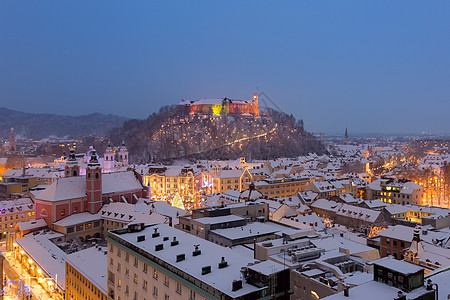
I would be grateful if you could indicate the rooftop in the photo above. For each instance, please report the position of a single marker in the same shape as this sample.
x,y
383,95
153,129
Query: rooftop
x,y
211,255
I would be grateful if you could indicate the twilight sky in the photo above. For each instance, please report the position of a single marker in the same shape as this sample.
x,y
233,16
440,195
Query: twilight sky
x,y
374,66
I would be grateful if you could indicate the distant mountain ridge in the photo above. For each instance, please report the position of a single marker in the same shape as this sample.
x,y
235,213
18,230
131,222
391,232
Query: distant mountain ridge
x,y
38,126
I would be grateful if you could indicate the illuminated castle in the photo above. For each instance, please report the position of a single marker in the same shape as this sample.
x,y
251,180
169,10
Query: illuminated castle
x,y
222,107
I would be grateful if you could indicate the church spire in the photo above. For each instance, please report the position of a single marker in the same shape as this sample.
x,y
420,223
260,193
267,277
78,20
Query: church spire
x,y
346,136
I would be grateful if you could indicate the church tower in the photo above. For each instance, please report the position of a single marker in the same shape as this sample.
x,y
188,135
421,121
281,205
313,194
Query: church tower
x,y
109,162
345,141
71,168
12,140
94,184
123,155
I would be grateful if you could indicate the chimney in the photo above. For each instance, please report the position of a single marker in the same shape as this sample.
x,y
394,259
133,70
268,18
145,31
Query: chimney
x,y
346,292
400,296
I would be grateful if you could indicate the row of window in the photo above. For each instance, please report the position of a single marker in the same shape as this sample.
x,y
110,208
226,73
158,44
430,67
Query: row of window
x,y
82,285
145,284
11,217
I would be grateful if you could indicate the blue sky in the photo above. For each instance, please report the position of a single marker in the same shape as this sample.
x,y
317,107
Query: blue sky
x,y
373,66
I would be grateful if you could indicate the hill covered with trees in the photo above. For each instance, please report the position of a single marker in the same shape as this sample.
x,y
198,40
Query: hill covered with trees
x,y
173,133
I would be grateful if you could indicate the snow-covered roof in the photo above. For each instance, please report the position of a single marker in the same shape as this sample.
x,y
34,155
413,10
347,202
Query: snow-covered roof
x,y
219,220
397,265
32,224
128,213
92,263
326,204
230,173
360,213
211,255
77,218
75,187
405,233
377,203
267,267
372,290
308,220
16,205
247,231
47,255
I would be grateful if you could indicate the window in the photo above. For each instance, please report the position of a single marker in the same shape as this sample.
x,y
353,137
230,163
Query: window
x,y
118,252
119,284
155,273
136,262
400,279
144,284
111,262
127,272
135,278
44,212
179,288
118,267
395,243
166,297
127,257
63,212
70,229
166,280
155,291
388,241
127,290
402,244
192,297
145,268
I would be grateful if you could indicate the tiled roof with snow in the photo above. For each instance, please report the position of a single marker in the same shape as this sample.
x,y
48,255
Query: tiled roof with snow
x,y
326,204
75,187
15,205
359,213
77,218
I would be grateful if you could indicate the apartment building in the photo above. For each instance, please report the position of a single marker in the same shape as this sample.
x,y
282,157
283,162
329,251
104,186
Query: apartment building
x,y
395,191
86,274
160,262
282,187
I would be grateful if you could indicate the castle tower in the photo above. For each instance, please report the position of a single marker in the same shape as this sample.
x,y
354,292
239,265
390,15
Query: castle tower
x,y
94,184
255,105
71,168
12,140
108,159
123,154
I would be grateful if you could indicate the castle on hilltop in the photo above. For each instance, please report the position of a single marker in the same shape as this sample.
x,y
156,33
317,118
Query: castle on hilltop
x,y
223,107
